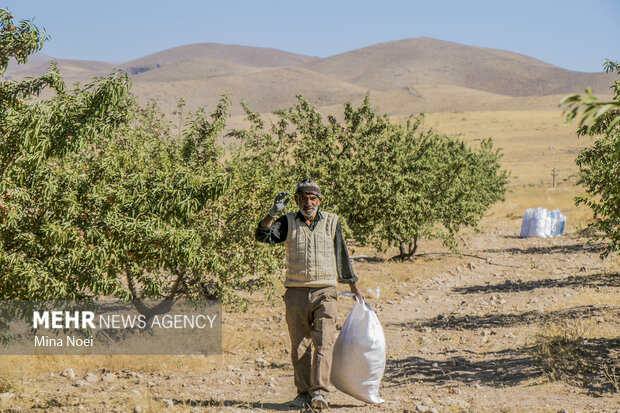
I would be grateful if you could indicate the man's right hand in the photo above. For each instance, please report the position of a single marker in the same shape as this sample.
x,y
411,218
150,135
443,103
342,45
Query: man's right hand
x,y
279,204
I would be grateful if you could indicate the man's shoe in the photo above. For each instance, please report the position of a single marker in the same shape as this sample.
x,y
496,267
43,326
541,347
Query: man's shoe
x,y
302,399
319,402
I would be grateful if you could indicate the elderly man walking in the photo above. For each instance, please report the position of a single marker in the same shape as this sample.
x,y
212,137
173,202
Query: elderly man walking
x,y
316,261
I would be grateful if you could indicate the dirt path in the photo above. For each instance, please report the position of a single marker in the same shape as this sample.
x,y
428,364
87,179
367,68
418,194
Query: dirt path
x,y
462,334
467,335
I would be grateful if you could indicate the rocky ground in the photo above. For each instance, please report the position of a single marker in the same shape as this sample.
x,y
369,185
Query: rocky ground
x,y
512,325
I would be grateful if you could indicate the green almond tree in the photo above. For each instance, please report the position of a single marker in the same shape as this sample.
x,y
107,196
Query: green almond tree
x,y
18,41
599,164
99,198
393,184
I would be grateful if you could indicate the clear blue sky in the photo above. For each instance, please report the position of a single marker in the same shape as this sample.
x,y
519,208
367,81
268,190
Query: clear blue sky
x,y
573,34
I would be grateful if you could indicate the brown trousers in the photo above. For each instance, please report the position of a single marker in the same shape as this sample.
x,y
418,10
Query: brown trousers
x,y
311,318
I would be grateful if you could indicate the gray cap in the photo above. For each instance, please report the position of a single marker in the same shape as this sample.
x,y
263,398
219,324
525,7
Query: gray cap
x,y
308,186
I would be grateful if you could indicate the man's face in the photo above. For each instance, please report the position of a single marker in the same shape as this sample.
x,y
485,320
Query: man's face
x,y
308,204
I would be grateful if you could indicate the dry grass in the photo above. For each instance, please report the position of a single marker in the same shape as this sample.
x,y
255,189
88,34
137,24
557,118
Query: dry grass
x,y
566,351
533,142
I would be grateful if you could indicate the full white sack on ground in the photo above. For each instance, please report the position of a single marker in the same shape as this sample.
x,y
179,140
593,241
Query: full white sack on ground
x,y
525,223
542,223
558,222
359,355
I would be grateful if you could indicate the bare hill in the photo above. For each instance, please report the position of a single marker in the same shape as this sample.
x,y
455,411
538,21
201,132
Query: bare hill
x,y
243,55
200,68
406,63
404,77
263,90
72,70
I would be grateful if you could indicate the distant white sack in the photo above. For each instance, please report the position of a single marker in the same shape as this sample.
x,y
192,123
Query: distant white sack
x,y
542,223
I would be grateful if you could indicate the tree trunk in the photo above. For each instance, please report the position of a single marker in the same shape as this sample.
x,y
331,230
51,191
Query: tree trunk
x,y
407,251
403,251
162,307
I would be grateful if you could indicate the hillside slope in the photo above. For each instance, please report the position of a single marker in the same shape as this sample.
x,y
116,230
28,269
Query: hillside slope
x,y
72,70
404,77
264,90
404,63
242,55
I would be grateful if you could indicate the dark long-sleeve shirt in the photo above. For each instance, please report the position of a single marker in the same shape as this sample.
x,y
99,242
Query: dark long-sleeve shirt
x,y
277,232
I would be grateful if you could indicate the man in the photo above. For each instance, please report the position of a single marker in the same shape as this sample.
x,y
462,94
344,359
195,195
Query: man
x,y
316,260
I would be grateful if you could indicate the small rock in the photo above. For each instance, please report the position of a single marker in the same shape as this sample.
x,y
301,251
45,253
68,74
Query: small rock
x,y
135,392
169,403
6,396
91,378
421,408
471,266
151,384
68,373
261,362
79,383
137,409
109,377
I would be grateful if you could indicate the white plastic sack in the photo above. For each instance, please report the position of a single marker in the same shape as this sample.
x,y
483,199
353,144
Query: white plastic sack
x,y
541,223
359,355
525,223
540,226
558,222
